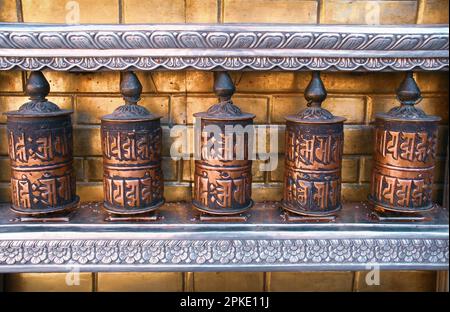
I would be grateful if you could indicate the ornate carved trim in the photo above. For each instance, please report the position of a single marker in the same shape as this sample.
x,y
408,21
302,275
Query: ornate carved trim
x,y
230,47
412,253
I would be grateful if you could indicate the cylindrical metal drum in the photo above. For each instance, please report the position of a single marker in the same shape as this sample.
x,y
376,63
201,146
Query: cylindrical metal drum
x,y
40,149
404,155
223,177
314,145
131,144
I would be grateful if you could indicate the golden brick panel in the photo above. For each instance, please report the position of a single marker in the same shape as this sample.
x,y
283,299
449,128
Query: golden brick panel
x,y
140,281
432,81
168,81
98,82
229,281
56,11
10,81
267,192
277,175
79,168
368,12
200,81
8,12
310,281
154,11
89,110
397,281
3,140
188,170
283,106
177,191
178,110
195,104
365,170
47,282
267,11
433,12
432,105
93,168
9,103
271,82
350,169
90,191
5,193
5,173
169,168
352,108
257,174
167,141
201,11
353,138
352,192
86,141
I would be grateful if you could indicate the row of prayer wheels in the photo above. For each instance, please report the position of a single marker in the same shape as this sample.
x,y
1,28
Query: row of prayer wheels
x,y
43,181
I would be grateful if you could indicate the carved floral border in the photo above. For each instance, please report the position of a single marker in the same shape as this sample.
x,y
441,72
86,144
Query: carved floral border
x,y
421,252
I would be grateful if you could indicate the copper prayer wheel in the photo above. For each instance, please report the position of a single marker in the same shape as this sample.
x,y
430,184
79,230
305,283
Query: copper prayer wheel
x,y
314,145
404,154
223,177
40,144
131,144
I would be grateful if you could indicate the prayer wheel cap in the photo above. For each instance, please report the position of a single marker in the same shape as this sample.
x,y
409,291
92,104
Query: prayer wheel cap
x,y
37,89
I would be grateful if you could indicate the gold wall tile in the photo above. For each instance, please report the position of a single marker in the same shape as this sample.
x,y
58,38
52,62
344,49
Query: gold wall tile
x,y
140,281
352,108
267,11
199,81
5,172
432,81
177,191
350,169
257,174
201,11
267,192
56,11
354,135
79,168
368,12
10,81
277,175
3,141
97,82
169,168
398,281
353,192
86,141
90,191
228,281
154,11
310,281
168,81
5,193
47,282
365,170
434,12
93,168
178,113
8,13
283,106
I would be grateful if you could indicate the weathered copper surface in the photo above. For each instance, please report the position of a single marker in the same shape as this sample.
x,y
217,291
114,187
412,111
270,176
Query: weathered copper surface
x,y
404,154
222,185
314,145
40,149
131,144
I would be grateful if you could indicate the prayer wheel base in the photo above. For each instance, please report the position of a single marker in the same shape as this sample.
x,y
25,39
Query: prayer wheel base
x,y
296,210
135,212
384,208
224,212
56,212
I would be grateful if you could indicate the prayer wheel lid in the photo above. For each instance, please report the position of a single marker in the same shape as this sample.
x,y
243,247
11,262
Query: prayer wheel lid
x,y
37,89
225,109
131,89
315,94
408,95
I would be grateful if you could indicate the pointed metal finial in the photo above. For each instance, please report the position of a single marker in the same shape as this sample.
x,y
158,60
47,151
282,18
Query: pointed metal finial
x,y
315,93
408,93
223,86
37,86
130,88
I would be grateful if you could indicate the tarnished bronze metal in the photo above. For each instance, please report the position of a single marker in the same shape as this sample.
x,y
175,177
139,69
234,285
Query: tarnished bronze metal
x,y
40,143
314,144
404,154
223,177
131,144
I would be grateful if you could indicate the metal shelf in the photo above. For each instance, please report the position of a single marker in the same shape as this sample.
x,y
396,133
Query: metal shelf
x,y
223,46
178,241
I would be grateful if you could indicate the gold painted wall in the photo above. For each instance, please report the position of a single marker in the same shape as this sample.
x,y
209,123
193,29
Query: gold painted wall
x,y
270,95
